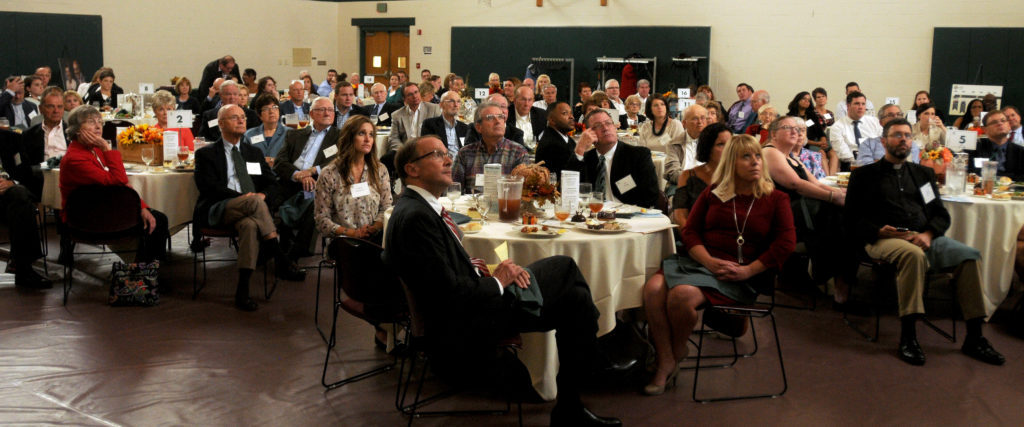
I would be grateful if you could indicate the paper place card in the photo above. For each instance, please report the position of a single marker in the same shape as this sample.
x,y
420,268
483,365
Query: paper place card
x,y
170,145
570,189
894,100
979,162
683,93
479,180
179,119
481,93
492,172
145,88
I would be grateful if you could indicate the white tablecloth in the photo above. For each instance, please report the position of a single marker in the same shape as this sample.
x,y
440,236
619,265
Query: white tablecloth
x,y
134,120
173,193
990,227
382,143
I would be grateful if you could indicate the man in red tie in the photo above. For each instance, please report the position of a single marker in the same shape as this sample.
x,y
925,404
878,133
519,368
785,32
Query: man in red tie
x,y
466,311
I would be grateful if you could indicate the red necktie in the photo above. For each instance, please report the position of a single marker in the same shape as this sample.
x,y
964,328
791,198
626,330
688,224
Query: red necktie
x,y
480,265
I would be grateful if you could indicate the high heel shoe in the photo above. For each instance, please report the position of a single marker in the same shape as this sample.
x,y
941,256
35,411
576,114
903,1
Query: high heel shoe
x,y
657,390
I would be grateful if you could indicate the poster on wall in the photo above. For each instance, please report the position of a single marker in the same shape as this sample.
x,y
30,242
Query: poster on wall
x,y
961,95
71,73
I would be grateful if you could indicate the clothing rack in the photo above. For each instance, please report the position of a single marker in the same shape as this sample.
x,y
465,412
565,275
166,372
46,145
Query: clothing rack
x,y
653,62
690,63
551,63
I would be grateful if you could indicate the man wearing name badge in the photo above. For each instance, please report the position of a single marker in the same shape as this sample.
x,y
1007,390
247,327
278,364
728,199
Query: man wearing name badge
x,y
406,122
512,133
13,106
611,88
624,173
850,131
294,104
344,104
324,89
841,107
237,189
555,146
741,111
212,99
527,118
872,149
467,309
229,95
1013,116
550,97
447,126
894,207
997,147
493,147
298,166
220,68
682,150
380,107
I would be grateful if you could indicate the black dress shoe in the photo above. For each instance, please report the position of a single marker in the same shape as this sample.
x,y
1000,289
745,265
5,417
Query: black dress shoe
x,y
579,416
246,304
29,279
911,352
291,272
980,349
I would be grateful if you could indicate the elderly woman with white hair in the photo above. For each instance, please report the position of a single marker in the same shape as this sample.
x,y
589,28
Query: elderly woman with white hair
x,y
163,102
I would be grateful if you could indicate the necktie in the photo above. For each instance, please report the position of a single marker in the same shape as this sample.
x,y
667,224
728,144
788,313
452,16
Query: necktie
x,y
480,265
856,131
602,177
243,175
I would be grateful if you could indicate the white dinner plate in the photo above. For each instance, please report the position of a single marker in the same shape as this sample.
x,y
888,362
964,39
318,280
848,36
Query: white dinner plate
x,y
622,229
539,234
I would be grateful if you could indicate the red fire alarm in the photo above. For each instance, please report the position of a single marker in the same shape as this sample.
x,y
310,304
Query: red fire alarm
x,y
417,65
419,31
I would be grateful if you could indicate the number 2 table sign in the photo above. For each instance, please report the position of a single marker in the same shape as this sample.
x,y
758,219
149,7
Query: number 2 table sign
x,y
179,119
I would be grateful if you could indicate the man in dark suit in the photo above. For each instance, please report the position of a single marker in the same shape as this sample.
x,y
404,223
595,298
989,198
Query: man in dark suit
x,y
894,207
235,188
218,68
630,178
13,106
229,95
344,104
42,141
997,147
447,126
555,147
527,118
511,132
294,104
380,107
297,166
466,310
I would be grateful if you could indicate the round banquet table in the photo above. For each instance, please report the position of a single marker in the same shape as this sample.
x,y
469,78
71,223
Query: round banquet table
x,y
615,266
382,142
173,193
991,227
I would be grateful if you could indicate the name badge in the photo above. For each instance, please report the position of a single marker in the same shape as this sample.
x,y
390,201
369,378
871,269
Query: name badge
x,y
979,162
741,114
361,189
462,140
211,123
32,115
253,168
926,192
256,139
382,117
809,123
625,184
828,116
330,151
17,159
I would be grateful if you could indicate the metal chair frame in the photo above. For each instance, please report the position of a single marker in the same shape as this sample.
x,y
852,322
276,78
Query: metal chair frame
x,y
232,236
876,310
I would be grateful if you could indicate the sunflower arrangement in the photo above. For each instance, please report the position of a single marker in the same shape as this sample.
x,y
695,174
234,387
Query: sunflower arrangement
x,y
935,152
141,134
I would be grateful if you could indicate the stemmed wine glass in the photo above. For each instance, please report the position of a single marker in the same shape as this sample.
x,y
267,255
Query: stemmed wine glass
x,y
596,203
454,191
148,155
483,204
561,210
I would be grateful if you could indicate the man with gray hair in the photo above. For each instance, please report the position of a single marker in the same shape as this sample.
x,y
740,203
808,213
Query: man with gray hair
x,y
447,126
643,90
872,149
611,88
294,104
493,147
511,132
759,99
229,95
550,94
682,150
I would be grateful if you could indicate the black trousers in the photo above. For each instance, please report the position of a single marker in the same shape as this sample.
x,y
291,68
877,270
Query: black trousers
x,y
19,213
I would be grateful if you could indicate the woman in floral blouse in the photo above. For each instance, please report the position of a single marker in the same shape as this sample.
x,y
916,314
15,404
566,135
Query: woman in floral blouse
x,y
353,191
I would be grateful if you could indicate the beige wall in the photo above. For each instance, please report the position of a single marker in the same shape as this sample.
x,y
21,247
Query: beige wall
x,y
146,40
784,46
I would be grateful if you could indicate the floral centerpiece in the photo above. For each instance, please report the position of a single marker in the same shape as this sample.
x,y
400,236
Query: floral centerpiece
x,y
130,142
537,186
936,156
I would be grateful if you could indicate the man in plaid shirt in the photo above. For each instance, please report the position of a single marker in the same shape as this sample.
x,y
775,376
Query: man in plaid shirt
x,y
493,147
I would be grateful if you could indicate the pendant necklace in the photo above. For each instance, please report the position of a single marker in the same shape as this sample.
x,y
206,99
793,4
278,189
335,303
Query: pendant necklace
x,y
739,231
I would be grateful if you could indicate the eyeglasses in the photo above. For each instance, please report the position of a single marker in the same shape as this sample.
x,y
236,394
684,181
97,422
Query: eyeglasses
x,y
449,101
438,154
698,119
97,121
611,87
901,135
492,117
599,125
997,122
788,128
321,110
270,108
893,116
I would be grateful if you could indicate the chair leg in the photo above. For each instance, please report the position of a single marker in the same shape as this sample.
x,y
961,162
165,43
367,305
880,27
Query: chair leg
x,y
69,271
331,343
268,291
860,331
782,369
316,306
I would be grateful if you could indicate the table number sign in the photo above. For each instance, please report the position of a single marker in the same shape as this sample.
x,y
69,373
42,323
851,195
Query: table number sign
x,y
145,88
960,140
683,93
480,93
685,103
368,80
893,100
179,119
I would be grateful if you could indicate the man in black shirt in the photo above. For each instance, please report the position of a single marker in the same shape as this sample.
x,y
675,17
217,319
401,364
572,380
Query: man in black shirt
x,y
894,206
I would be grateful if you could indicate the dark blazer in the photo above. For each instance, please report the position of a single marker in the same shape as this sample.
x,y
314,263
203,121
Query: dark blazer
x,y
512,133
863,218
93,96
7,108
460,308
211,177
538,120
211,72
288,107
435,126
624,120
12,147
385,108
628,160
192,104
213,133
1014,164
554,150
294,141
34,144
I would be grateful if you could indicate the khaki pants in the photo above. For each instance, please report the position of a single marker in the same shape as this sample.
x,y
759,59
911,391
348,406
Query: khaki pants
x,y
911,270
252,221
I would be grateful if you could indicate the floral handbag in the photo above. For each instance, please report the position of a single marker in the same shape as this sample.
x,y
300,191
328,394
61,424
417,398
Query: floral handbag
x,y
134,284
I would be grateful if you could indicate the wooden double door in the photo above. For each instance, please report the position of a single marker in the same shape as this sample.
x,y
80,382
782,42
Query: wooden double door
x,y
387,52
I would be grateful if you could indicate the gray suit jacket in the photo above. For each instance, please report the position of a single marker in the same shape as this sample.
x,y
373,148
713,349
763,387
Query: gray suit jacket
x,y
402,125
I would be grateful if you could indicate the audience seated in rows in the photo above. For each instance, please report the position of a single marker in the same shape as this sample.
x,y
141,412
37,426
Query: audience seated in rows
x,y
489,122
555,146
447,126
269,135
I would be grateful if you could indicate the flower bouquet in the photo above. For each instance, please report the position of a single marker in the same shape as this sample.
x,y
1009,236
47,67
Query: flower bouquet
x,y
537,186
130,142
935,156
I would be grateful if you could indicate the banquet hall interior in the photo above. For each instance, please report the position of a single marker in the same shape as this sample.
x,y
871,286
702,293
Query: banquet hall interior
x,y
199,361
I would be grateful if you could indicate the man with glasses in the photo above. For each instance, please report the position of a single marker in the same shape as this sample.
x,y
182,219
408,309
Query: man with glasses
x,y
493,147
511,132
850,131
229,95
682,150
997,147
550,93
611,88
447,126
294,104
872,150
623,172
894,207
467,308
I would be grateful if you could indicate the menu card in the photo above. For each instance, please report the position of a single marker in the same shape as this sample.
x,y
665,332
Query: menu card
x,y
570,189
492,172
170,145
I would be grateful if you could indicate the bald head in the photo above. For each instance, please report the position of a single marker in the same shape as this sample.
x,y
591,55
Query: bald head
x,y
695,118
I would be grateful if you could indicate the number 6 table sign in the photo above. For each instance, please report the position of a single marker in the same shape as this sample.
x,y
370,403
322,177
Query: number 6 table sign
x,y
179,119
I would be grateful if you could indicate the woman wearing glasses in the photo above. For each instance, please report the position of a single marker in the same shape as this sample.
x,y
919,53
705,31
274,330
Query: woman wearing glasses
x,y
269,135
632,119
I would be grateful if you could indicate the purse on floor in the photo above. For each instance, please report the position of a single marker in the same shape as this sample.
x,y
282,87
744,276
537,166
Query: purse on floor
x,y
134,284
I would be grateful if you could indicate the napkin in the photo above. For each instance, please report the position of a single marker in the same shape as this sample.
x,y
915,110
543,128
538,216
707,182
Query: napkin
x,y
530,299
459,218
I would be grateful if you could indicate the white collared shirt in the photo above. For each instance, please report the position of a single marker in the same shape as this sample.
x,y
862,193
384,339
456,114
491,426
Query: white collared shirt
x,y
54,142
524,124
232,179
607,171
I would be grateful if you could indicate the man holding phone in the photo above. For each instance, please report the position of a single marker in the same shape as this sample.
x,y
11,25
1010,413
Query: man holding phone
x,y
894,206
13,106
